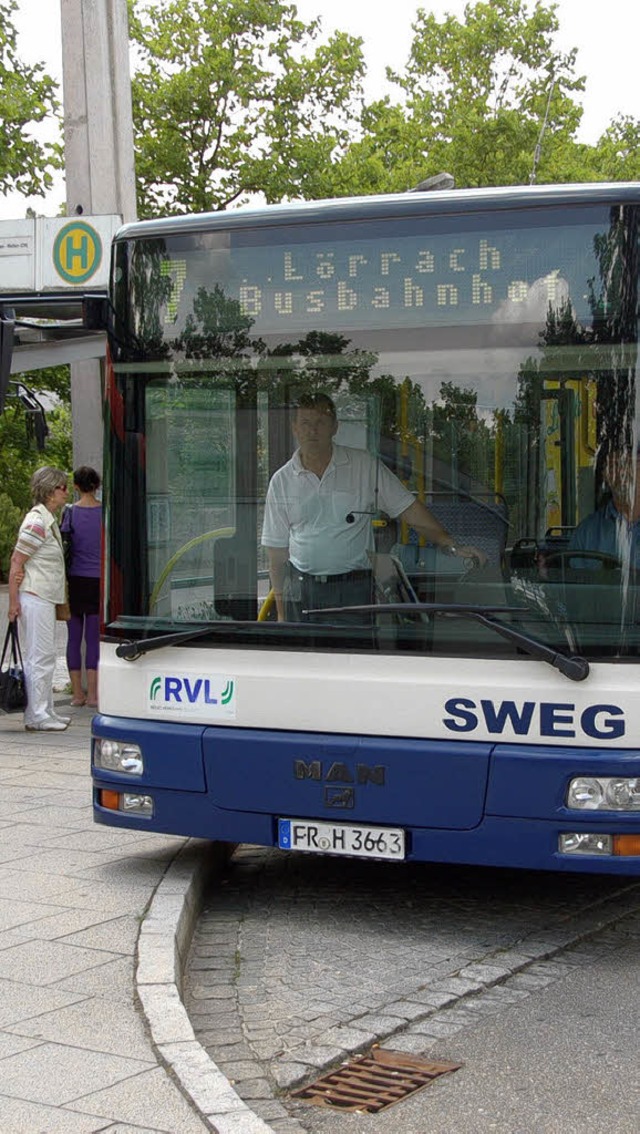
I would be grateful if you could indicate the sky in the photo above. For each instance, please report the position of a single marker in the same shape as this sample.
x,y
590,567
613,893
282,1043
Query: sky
x,y
606,36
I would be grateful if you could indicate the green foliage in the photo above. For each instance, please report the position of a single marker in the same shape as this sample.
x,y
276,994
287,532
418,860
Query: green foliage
x,y
10,517
474,94
18,454
17,462
27,96
617,154
230,99
238,98
59,442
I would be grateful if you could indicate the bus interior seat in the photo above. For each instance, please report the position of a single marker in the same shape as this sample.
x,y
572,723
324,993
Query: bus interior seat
x,y
559,536
234,580
530,555
478,520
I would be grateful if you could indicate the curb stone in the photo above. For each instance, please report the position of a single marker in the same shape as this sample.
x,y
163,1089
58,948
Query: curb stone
x,y
163,944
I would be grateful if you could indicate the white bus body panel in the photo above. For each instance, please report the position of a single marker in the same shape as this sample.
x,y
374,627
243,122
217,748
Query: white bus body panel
x,y
422,698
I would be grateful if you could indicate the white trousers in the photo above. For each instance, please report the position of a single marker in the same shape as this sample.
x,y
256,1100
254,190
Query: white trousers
x,y
38,643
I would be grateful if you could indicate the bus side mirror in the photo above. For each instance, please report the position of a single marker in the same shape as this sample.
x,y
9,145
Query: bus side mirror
x,y
96,312
36,418
7,325
40,429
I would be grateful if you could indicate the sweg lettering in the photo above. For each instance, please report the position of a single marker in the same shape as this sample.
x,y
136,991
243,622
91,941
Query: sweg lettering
x,y
175,686
601,722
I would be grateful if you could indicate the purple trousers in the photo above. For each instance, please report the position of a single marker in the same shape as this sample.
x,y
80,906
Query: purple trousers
x,y
87,626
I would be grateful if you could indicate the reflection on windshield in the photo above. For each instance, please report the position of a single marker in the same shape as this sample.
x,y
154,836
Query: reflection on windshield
x,y
485,457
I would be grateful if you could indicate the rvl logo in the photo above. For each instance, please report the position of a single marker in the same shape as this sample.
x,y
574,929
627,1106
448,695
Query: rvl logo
x,y
169,691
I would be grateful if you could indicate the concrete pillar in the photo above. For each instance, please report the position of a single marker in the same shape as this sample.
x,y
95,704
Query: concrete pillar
x,y
98,126
86,413
99,161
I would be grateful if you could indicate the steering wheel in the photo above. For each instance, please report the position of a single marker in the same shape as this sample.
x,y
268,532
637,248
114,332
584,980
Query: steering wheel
x,y
564,555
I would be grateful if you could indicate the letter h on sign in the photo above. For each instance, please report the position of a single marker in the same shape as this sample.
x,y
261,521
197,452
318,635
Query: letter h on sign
x,y
73,252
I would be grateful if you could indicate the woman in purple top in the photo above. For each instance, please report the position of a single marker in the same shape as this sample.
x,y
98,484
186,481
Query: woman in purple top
x,y
82,524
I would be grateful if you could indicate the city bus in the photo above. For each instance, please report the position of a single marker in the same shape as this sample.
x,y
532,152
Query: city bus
x,y
479,347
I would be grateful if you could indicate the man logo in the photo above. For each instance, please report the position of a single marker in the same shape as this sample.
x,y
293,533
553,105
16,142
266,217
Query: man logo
x,y
155,688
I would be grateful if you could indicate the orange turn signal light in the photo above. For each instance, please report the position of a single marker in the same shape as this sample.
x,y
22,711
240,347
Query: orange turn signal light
x,y
110,799
626,844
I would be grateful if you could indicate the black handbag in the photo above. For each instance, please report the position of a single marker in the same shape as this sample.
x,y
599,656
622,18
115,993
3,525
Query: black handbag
x,y
67,536
13,692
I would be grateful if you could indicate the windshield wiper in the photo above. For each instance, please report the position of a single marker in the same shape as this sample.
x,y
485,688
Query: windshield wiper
x,y
572,666
130,651
134,649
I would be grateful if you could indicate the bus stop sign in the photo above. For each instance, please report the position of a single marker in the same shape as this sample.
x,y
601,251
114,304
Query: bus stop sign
x,y
77,252
56,254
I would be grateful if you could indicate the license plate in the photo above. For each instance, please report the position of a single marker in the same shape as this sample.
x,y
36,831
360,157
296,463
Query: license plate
x,y
350,839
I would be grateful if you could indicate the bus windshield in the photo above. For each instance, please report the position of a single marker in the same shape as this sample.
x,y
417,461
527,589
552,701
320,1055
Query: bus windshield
x,y
317,421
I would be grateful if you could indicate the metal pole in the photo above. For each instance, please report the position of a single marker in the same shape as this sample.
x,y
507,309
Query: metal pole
x,y
537,153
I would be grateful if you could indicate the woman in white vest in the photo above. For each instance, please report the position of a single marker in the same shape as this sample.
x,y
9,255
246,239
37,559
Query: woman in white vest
x,y
36,584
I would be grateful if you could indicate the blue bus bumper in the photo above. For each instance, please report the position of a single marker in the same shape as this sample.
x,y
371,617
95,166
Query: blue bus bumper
x,y
457,801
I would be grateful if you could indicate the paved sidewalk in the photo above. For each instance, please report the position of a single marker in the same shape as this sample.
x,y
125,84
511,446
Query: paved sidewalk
x,y
75,1055
95,923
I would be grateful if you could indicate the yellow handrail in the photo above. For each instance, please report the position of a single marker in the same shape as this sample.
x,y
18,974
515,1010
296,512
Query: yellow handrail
x,y
218,533
267,606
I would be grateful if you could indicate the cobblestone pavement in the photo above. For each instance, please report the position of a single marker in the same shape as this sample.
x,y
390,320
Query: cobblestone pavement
x,y
298,962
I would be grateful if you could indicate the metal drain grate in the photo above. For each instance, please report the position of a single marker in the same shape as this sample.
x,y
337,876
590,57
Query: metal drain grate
x,y
373,1081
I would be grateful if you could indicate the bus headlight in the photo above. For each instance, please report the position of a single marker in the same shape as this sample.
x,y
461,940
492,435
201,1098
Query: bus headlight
x,y
118,756
604,793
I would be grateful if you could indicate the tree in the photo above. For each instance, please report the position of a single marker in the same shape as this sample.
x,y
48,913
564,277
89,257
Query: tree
x,y
617,154
19,457
474,94
230,100
27,97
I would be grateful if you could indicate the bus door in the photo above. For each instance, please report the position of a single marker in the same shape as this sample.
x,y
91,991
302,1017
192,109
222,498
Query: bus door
x,y
201,500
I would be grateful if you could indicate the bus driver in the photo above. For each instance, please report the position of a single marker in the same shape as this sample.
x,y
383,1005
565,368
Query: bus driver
x,y
613,529
317,526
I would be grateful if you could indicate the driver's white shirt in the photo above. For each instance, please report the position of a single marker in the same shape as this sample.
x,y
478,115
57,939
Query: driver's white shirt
x,y
308,514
